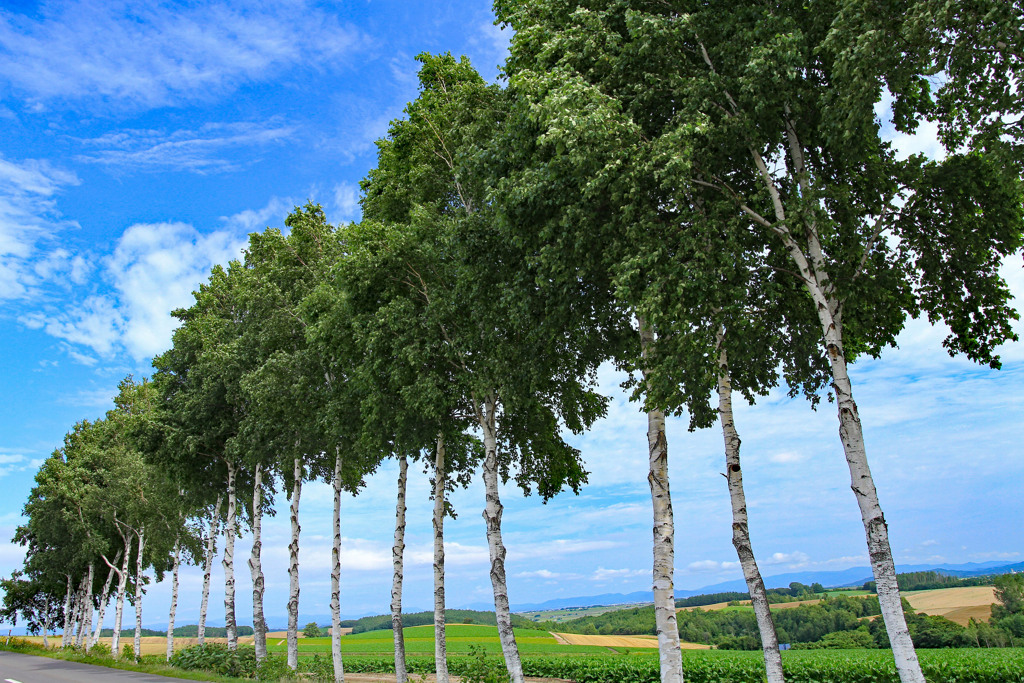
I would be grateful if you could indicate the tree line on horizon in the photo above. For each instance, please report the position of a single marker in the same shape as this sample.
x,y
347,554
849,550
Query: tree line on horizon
x,y
698,193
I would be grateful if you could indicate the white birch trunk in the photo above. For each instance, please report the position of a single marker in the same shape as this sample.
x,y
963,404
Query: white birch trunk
x,y
810,264
67,616
46,622
293,570
259,623
875,528
104,599
174,598
669,653
87,617
740,527
122,587
76,614
211,551
138,593
492,517
440,642
80,610
229,562
339,668
398,563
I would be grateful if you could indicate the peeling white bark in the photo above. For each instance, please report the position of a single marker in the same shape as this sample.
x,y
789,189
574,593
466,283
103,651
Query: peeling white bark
x,y
740,526
293,570
66,632
440,642
397,561
230,524
876,530
492,517
138,593
174,598
810,265
80,612
122,587
104,599
211,551
87,617
339,668
46,622
669,653
259,623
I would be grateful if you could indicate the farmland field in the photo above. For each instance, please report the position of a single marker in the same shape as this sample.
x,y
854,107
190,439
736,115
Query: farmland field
x,y
559,615
544,657
419,640
956,604
959,604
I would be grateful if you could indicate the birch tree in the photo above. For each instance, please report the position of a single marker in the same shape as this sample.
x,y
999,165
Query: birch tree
x,y
801,160
447,268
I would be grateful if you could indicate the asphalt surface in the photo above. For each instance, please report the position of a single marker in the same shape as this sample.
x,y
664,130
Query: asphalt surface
x,y
19,668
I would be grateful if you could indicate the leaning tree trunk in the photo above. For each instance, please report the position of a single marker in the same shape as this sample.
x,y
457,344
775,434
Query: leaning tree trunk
x,y
211,551
397,560
339,668
492,517
740,529
229,563
174,598
440,642
122,587
67,615
812,270
875,528
138,593
259,623
293,571
104,599
669,653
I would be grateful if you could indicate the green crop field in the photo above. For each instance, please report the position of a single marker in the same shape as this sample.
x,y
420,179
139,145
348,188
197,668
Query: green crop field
x,y
419,640
543,656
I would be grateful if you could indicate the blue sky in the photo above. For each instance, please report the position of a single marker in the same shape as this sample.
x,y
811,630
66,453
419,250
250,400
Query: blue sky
x,y
141,142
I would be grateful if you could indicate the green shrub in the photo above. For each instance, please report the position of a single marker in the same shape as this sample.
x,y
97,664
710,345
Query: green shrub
x,y
217,658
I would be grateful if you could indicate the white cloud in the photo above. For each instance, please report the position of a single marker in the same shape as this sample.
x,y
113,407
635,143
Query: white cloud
x,y
153,269
150,55
197,151
346,202
796,559
996,555
788,457
703,566
602,574
28,216
538,574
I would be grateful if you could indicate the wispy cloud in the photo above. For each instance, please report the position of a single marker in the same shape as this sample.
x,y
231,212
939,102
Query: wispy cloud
x,y
150,54
794,559
198,151
28,216
710,566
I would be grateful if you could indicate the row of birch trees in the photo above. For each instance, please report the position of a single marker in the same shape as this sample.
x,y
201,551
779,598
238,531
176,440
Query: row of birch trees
x,y
698,193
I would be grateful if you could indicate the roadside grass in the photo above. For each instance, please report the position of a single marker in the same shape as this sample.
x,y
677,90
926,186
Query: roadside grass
x,y
149,664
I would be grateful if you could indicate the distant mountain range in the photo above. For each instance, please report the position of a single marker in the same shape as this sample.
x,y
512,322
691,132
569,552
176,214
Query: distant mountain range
x,y
855,576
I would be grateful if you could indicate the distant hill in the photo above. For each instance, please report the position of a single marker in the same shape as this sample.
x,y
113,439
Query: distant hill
x,y
853,577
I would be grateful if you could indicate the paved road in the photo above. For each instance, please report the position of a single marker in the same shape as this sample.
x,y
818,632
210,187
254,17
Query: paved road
x,y
19,668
